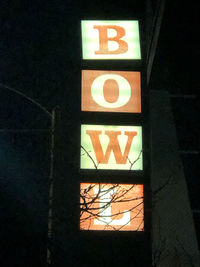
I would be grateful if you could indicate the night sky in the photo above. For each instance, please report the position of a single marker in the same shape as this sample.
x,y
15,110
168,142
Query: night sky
x,y
175,71
40,56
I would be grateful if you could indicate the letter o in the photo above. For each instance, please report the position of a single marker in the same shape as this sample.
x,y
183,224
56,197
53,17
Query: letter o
x,y
98,95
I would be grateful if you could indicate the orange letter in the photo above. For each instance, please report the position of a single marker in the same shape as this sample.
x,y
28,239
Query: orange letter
x,y
112,146
103,39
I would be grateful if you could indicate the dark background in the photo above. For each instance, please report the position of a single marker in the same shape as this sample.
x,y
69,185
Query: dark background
x,y
40,57
175,70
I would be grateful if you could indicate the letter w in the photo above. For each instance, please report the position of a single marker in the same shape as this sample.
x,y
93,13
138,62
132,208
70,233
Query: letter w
x,y
112,146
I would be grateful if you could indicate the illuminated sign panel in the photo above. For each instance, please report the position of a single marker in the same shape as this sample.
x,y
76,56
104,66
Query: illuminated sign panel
x,y
111,147
107,39
111,91
111,207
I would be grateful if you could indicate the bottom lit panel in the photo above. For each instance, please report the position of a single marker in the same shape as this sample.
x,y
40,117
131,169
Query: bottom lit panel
x,y
111,207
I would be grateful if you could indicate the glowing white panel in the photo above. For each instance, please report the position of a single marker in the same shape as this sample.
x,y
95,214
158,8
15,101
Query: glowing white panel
x,y
111,147
110,39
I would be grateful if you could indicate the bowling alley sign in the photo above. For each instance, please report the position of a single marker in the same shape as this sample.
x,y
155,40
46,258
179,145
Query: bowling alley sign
x,y
111,147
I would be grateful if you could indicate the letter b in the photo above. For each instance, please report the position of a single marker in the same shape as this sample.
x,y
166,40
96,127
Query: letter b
x,y
104,39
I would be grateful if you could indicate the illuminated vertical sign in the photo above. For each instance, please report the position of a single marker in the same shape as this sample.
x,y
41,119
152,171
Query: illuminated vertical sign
x,y
111,147
111,91
111,207
110,39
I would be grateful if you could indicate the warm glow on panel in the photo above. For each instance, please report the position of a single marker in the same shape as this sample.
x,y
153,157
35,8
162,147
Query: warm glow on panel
x,y
107,39
111,147
111,207
111,91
